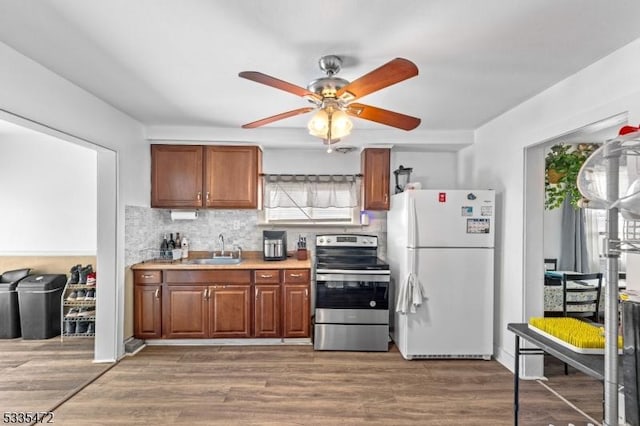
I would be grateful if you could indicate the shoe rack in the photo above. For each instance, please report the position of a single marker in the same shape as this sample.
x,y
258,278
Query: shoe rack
x,y
78,309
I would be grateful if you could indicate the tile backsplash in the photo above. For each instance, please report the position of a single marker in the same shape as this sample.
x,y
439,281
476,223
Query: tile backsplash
x,y
145,227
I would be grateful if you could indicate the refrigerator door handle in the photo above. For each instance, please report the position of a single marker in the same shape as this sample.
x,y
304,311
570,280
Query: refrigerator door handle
x,y
412,221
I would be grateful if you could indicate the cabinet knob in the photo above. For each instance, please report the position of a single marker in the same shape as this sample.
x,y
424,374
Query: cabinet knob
x,y
147,276
386,198
296,275
157,293
199,196
207,196
266,276
204,293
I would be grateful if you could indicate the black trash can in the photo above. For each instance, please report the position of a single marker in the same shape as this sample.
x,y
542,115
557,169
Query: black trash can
x,y
39,299
9,309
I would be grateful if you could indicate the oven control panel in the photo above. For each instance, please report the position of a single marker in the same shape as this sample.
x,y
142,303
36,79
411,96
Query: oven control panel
x,y
346,240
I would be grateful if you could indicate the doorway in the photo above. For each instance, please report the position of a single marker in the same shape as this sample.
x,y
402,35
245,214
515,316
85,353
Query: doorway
x,y
534,219
108,342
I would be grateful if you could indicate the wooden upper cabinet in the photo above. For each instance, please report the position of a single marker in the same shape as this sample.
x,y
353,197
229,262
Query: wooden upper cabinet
x,y
192,176
176,176
231,176
375,165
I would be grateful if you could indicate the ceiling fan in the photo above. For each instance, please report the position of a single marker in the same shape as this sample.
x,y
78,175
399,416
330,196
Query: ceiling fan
x,y
334,98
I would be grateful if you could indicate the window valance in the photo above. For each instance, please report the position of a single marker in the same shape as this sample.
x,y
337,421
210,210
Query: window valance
x,y
316,191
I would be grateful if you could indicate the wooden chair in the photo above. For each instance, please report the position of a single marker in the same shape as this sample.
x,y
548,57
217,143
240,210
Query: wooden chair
x,y
581,295
551,264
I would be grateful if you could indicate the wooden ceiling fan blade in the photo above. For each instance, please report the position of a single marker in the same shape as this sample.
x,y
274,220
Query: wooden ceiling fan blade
x,y
390,73
383,116
265,79
277,117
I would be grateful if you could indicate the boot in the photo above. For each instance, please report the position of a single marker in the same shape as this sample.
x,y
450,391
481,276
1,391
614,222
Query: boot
x,y
75,274
83,274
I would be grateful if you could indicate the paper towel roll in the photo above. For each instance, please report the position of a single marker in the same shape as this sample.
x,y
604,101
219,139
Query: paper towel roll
x,y
184,215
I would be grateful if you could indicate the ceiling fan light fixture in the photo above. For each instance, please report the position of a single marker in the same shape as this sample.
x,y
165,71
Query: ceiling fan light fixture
x,y
331,125
319,124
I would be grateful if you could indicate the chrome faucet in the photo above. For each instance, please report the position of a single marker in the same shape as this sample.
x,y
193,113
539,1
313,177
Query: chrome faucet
x,y
221,239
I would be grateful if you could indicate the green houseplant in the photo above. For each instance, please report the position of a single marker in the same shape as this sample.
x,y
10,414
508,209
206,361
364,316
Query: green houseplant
x,y
562,165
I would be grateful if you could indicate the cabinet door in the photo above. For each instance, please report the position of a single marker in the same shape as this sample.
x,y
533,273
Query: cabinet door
x,y
185,311
267,310
231,176
176,176
376,163
229,311
147,311
296,317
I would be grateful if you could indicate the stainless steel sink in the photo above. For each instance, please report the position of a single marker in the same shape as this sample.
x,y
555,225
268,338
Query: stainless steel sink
x,y
215,261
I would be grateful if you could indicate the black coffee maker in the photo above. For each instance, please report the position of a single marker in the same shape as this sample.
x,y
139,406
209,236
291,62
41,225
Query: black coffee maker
x,y
274,245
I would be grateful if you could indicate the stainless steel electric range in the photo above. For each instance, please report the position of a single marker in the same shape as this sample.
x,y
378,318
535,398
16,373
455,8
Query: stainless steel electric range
x,y
352,294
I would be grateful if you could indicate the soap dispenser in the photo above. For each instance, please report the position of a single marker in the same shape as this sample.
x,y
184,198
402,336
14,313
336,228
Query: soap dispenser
x,y
185,247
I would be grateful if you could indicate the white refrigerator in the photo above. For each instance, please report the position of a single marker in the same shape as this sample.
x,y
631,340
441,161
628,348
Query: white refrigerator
x,y
443,242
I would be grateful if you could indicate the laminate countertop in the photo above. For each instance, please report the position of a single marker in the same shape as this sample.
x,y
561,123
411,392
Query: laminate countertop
x,y
251,261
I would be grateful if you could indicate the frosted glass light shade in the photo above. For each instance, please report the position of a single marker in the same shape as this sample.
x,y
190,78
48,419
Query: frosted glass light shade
x,y
341,125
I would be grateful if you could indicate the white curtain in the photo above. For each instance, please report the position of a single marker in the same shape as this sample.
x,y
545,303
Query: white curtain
x,y
318,191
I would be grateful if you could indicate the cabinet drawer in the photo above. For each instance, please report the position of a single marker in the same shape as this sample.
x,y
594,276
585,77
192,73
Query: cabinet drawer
x,y
147,277
208,276
266,276
296,276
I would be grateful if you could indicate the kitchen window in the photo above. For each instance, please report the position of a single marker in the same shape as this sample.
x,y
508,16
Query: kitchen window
x,y
302,199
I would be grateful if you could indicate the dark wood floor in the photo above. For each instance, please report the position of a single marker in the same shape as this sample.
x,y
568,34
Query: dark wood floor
x,y
294,385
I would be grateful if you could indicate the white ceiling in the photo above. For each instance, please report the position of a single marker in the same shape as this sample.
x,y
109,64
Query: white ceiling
x,y
173,64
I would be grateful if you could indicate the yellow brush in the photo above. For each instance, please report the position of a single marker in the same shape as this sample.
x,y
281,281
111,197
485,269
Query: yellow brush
x,y
573,331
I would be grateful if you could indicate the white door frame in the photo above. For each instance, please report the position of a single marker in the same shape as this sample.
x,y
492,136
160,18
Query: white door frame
x,y
533,252
108,343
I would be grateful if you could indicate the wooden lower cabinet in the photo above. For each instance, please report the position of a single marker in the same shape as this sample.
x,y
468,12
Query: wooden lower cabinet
x,y
266,312
147,308
196,304
296,310
229,311
186,312
147,304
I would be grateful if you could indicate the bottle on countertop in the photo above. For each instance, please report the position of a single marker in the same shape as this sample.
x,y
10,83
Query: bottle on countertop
x,y
164,247
172,242
178,241
185,247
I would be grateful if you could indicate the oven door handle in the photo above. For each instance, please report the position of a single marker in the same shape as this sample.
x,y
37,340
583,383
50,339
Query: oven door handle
x,y
378,278
342,272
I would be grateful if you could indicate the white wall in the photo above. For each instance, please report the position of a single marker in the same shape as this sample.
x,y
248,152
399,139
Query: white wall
x,y
608,87
35,97
309,161
48,195
552,233
434,170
